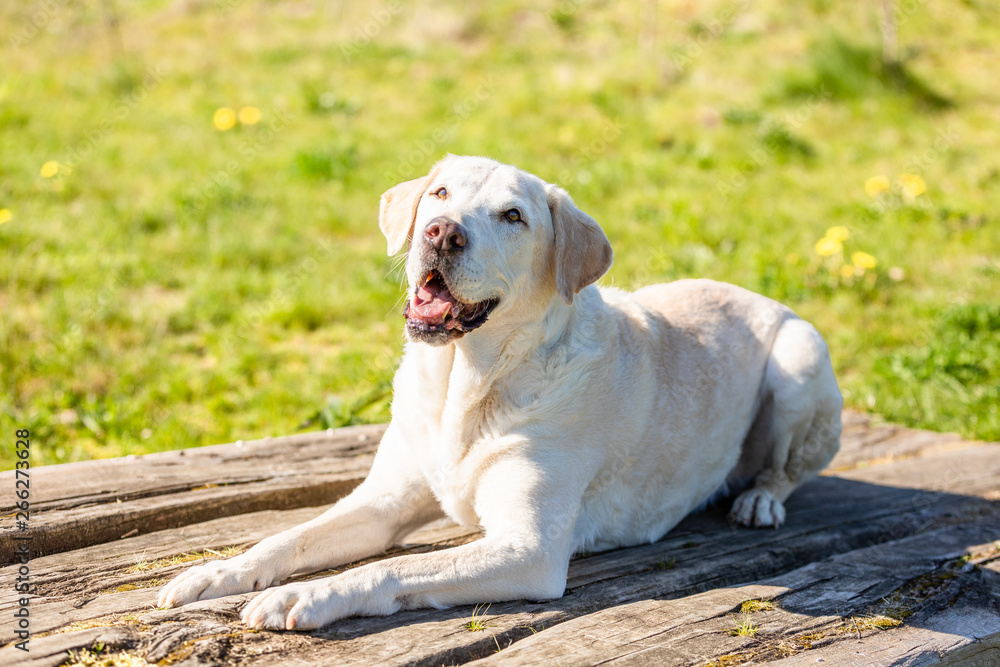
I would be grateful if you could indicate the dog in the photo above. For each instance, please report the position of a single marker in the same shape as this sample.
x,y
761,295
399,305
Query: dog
x,y
558,416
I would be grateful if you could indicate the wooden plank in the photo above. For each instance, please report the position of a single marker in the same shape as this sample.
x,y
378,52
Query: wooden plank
x,y
863,442
969,471
53,652
89,583
859,499
70,584
72,503
118,480
80,504
819,611
831,515
82,574
70,485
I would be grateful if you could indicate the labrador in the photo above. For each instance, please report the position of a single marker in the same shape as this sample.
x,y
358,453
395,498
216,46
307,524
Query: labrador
x,y
558,416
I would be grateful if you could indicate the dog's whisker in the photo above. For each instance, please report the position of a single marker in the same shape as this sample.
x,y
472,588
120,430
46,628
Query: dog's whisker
x,y
395,306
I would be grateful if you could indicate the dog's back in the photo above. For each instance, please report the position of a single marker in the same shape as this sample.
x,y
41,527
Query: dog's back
x,y
714,379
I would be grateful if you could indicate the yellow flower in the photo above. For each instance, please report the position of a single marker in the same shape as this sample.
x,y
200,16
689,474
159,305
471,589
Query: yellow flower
x,y
838,234
864,260
249,115
846,271
876,185
913,184
224,119
5,215
50,169
827,246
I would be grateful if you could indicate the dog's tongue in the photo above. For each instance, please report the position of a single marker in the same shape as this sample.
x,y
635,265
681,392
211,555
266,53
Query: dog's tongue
x,y
432,303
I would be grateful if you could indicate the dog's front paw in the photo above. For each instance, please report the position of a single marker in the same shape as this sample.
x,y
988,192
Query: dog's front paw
x,y
304,605
757,508
213,580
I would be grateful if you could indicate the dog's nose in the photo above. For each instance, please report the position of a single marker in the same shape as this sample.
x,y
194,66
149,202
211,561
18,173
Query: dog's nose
x,y
445,234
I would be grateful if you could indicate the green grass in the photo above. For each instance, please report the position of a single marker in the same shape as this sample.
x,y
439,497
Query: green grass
x,y
479,622
667,564
174,285
743,627
754,606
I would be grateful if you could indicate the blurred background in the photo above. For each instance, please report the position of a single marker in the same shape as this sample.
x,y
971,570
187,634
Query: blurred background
x,y
189,250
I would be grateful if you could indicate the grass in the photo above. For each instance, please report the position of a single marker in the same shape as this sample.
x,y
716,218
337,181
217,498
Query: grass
x,y
98,657
894,609
754,606
805,642
730,660
878,622
478,622
122,588
143,565
744,627
100,622
167,284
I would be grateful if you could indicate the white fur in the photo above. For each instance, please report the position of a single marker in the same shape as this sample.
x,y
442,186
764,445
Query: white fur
x,y
567,422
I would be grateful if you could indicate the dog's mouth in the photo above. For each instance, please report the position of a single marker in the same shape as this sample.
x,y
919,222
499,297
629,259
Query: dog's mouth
x,y
434,308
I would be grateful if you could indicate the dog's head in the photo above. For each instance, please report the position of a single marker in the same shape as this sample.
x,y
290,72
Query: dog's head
x,y
487,240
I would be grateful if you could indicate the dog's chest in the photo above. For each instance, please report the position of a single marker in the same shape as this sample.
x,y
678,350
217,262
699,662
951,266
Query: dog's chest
x,y
452,476
457,505
462,425
460,449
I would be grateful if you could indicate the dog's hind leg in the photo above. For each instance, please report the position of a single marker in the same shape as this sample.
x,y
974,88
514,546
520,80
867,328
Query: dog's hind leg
x,y
801,431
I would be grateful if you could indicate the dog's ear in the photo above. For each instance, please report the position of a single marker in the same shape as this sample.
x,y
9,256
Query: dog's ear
x,y
582,251
397,211
397,208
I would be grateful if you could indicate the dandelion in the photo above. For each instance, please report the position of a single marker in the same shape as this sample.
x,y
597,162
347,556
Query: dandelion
x,y
224,119
863,260
827,246
838,233
896,274
876,185
249,115
846,271
913,185
5,215
50,169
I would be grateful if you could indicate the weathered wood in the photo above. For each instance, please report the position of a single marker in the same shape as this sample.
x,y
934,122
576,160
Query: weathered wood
x,y
819,609
84,573
865,443
54,651
92,502
832,515
112,480
892,485
854,506
80,504
89,583
103,566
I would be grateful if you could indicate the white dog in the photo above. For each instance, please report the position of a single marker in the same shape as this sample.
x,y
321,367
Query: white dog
x,y
557,416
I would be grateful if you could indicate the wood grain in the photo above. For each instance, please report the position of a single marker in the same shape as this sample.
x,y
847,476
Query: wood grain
x,y
892,519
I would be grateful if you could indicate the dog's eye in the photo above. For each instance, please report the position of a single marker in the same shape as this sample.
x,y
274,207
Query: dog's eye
x,y
441,193
513,215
